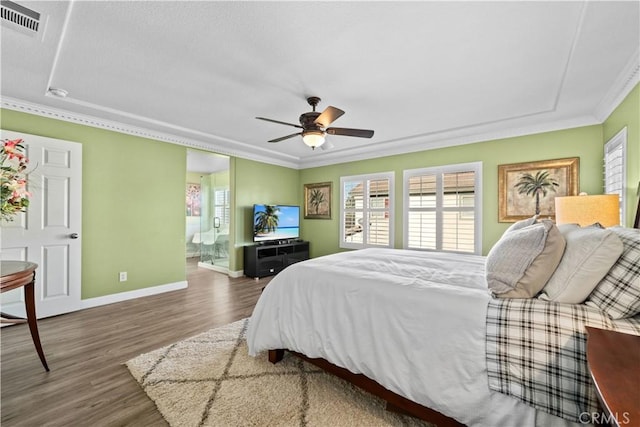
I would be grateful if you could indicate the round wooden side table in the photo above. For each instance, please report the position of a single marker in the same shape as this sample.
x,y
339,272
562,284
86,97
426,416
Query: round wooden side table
x,y
14,275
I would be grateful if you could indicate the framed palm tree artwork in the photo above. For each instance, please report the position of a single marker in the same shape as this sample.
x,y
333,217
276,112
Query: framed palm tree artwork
x,y
528,189
317,200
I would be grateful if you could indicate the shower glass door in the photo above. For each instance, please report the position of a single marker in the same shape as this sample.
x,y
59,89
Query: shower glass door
x,y
214,222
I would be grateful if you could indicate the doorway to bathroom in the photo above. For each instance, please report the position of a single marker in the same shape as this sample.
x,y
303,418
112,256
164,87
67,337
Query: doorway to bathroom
x,y
208,210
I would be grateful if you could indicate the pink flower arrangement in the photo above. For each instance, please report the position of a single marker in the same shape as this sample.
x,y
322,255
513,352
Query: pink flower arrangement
x,y
14,194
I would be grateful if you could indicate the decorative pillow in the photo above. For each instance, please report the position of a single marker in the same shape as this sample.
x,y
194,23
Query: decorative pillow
x,y
523,260
521,224
589,254
565,228
618,293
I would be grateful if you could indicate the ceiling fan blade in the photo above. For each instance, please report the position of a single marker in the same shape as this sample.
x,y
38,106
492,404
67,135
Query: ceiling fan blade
x,y
361,133
285,137
328,116
278,121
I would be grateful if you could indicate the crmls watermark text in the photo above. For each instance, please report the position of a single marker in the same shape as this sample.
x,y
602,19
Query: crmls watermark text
x,y
601,418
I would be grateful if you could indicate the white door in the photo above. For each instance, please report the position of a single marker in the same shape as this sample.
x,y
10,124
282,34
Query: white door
x,y
49,232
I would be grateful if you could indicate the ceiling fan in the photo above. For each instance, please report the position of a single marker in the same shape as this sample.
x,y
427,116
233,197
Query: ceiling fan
x,y
315,125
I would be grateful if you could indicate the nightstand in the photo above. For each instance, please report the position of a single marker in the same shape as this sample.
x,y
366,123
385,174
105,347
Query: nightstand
x,y
614,364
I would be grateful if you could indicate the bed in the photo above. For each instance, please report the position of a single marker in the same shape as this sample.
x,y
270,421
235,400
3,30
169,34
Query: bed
x,y
425,326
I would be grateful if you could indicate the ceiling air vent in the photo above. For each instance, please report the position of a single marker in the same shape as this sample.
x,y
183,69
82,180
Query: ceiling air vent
x,y
19,17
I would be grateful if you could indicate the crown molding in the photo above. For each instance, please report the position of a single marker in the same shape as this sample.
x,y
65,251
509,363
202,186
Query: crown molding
x,y
624,84
463,136
440,139
223,146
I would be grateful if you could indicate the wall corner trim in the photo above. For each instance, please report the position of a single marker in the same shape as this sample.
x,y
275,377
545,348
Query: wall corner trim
x,y
236,274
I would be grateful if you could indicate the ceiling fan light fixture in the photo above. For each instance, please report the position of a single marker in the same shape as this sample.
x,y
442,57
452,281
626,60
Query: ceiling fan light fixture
x,y
313,138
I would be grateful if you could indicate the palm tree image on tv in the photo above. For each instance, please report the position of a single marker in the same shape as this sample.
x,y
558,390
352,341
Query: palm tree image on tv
x,y
266,221
537,185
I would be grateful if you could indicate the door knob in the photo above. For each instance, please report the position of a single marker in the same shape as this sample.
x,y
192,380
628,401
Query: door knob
x,y
73,235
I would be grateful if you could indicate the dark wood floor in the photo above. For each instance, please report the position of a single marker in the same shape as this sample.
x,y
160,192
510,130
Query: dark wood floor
x,y
88,384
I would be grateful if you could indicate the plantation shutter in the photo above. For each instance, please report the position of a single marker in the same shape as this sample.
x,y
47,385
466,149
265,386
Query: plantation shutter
x,y
422,227
615,168
366,211
442,208
221,206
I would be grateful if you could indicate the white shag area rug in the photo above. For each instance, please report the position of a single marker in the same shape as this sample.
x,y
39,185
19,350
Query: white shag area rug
x,y
210,380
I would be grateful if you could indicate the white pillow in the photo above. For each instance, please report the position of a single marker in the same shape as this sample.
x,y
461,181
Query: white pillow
x,y
523,260
589,255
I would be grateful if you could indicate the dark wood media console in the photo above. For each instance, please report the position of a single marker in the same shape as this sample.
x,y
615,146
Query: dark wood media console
x,y
271,258
395,402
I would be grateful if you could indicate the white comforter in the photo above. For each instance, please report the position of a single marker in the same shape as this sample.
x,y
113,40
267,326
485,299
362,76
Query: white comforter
x,y
412,321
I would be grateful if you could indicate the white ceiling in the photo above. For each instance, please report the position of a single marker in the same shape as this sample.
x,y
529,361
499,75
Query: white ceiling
x,y
421,74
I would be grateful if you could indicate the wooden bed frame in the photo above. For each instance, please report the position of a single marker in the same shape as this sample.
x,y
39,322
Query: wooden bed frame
x,y
395,402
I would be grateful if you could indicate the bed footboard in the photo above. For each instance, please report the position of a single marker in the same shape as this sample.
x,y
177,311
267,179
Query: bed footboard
x,y
395,402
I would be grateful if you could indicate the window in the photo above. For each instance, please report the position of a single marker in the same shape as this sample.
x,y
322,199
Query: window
x,y
221,208
615,154
366,212
442,208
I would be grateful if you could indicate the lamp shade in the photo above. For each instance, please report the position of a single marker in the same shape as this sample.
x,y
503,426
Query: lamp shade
x,y
587,210
313,138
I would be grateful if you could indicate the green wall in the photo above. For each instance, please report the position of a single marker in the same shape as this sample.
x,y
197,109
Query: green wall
x,y
585,142
256,182
628,114
193,177
133,216
133,191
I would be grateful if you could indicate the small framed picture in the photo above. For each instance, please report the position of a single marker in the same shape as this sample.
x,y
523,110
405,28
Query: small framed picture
x,y
193,199
317,200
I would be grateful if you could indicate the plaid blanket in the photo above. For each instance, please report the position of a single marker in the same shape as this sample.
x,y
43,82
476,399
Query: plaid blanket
x,y
536,352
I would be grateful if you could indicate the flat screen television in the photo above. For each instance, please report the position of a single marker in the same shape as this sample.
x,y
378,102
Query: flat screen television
x,y
275,222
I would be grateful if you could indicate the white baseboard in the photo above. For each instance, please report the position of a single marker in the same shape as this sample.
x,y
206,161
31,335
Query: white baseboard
x,y
233,274
213,267
236,274
124,296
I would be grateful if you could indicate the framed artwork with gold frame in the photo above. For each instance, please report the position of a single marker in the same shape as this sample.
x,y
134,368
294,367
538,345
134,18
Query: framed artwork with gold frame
x,y
317,200
525,187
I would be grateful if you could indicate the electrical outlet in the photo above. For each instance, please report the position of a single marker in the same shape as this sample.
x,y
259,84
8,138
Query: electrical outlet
x,y
123,276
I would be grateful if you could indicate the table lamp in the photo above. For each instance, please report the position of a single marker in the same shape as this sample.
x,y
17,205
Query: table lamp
x,y
586,210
